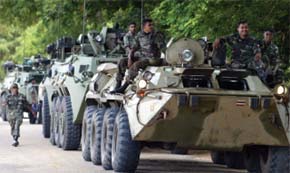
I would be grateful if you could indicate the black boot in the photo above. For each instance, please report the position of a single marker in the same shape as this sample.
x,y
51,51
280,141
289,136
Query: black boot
x,y
15,143
118,84
121,89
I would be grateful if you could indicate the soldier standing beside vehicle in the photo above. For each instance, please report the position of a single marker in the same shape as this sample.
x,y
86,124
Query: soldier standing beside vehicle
x,y
270,56
245,49
147,51
16,103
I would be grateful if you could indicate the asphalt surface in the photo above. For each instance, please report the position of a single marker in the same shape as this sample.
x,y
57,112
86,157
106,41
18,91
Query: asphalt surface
x,y
36,155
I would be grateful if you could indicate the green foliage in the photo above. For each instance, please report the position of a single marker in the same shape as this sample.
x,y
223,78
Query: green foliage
x,y
27,26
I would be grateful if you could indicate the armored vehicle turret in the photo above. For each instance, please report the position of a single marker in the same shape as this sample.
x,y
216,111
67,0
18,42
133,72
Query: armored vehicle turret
x,y
188,104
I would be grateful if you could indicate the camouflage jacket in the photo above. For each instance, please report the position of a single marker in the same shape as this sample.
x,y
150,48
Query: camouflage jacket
x,y
243,50
149,45
270,54
16,104
129,41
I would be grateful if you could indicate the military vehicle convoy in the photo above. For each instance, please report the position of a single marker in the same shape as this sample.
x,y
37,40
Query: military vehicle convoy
x,y
188,104
62,93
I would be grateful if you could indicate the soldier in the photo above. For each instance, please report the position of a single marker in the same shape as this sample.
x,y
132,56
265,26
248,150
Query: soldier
x,y
129,38
245,49
270,56
16,103
129,43
147,51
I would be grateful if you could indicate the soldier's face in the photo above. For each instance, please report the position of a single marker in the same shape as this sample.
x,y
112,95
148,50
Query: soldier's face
x,y
14,91
268,36
243,29
148,27
132,28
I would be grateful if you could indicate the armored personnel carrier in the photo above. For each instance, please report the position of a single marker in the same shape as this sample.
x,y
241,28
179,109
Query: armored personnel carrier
x,y
188,104
63,91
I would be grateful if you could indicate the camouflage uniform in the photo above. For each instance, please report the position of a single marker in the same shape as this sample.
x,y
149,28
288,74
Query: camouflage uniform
x,y
243,50
129,44
16,105
270,54
129,41
148,51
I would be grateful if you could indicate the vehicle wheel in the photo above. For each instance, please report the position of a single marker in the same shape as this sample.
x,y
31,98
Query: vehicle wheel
x,y
39,114
234,160
4,113
87,131
181,151
251,158
96,136
218,157
45,117
3,107
275,159
54,122
32,118
69,132
125,151
107,137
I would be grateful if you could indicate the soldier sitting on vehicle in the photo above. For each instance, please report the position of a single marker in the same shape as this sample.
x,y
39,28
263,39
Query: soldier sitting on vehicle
x,y
245,49
270,56
147,51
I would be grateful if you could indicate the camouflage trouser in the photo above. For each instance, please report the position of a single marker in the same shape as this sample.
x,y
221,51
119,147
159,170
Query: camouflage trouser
x,y
138,63
15,122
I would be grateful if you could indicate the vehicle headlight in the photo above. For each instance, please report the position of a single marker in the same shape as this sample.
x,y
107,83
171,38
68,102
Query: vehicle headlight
x,y
142,84
187,55
281,91
99,38
147,75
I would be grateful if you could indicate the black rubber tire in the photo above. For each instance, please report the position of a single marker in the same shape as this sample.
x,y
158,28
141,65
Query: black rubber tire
x,y
234,160
180,151
275,160
96,136
87,131
53,122
107,137
4,113
252,160
45,117
39,114
70,133
125,151
32,118
3,107
218,157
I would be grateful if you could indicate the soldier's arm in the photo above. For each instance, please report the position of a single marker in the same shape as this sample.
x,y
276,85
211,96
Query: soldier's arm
x,y
224,39
257,50
160,41
126,41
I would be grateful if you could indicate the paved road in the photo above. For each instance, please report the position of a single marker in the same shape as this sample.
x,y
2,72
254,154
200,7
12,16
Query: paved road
x,y
36,155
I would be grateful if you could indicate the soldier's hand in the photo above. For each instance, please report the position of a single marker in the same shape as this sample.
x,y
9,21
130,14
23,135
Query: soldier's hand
x,y
258,56
216,43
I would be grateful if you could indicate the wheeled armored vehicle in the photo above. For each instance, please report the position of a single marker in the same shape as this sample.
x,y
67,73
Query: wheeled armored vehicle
x,y
188,104
63,91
